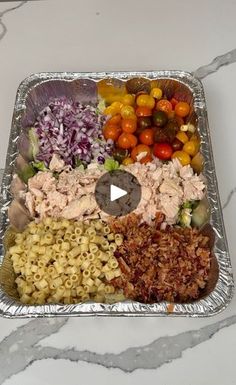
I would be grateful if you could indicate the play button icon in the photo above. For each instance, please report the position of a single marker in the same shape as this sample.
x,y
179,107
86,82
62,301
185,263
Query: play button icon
x,y
118,193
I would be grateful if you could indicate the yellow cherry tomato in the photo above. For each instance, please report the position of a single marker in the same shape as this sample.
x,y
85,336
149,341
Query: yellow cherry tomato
x,y
127,161
127,112
190,147
117,106
182,137
128,100
156,93
145,100
182,156
110,111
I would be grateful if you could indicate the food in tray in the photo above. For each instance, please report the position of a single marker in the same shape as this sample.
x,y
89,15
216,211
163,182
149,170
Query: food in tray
x,y
66,248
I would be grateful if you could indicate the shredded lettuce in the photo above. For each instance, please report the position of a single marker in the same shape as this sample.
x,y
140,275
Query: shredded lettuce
x,y
40,166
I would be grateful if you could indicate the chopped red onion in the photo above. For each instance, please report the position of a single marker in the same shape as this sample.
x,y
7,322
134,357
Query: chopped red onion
x,y
73,131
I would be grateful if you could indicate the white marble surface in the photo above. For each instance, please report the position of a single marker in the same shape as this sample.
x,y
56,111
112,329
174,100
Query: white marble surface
x,y
98,35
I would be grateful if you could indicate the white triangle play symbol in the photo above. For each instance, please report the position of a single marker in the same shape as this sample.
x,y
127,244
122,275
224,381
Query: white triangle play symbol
x,y
116,192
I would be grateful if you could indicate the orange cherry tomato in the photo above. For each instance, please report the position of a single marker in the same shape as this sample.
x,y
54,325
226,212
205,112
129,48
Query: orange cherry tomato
x,y
143,111
147,137
129,125
114,120
141,148
133,140
146,159
164,105
182,109
127,141
111,132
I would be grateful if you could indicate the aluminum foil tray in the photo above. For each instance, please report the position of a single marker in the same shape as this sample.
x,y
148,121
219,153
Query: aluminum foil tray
x,y
33,94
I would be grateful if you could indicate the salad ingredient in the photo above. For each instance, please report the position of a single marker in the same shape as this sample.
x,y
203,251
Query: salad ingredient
x,y
65,261
111,132
129,125
126,140
164,105
190,147
127,161
72,131
128,100
120,154
111,164
143,111
152,270
127,112
201,214
136,85
182,109
18,215
182,137
197,163
177,145
182,156
156,93
162,151
147,137
143,122
145,100
141,153
159,118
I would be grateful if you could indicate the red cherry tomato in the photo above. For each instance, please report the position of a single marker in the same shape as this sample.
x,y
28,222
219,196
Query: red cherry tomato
x,y
129,125
111,132
147,137
143,111
162,151
164,105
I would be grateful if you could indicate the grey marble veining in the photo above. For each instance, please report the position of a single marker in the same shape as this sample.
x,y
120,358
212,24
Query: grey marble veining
x,y
21,348
2,24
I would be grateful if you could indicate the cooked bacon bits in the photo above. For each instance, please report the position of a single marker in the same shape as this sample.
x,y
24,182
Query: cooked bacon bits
x,y
171,264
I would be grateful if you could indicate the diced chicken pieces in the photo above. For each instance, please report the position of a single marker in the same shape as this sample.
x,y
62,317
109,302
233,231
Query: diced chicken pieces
x,y
171,187
186,172
18,215
43,180
193,188
30,203
79,207
56,164
170,207
56,199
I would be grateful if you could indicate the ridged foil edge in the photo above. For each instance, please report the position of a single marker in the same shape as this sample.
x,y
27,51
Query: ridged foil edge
x,y
215,302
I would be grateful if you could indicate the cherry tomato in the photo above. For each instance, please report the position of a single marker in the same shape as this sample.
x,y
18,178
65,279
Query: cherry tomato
x,y
182,156
117,106
110,111
111,132
164,105
120,154
162,151
156,93
159,118
173,102
177,145
128,100
139,149
133,140
182,137
127,161
129,125
147,137
143,123
143,111
145,100
114,120
182,109
191,148
127,112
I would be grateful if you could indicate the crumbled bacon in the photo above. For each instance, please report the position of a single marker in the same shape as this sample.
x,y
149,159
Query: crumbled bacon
x,y
171,264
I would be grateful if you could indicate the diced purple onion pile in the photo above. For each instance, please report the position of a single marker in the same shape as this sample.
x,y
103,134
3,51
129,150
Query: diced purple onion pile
x,y
73,131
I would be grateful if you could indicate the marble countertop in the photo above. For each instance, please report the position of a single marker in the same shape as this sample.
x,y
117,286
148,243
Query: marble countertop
x,y
97,35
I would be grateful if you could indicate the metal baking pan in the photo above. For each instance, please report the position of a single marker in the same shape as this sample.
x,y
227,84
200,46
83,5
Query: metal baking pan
x,y
33,94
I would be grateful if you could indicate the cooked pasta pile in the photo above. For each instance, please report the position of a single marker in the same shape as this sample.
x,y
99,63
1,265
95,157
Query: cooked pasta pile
x,y
62,261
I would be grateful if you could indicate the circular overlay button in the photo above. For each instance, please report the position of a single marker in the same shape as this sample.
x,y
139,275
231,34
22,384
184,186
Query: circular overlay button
x,y
118,193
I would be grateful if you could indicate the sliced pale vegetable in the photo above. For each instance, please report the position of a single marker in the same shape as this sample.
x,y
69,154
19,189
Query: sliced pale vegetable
x,y
197,163
201,214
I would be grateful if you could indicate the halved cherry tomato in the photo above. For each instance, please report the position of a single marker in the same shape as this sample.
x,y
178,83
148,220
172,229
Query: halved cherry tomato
x,y
143,111
147,136
139,149
111,132
164,105
182,156
162,151
129,125
145,100
114,120
182,109
156,93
